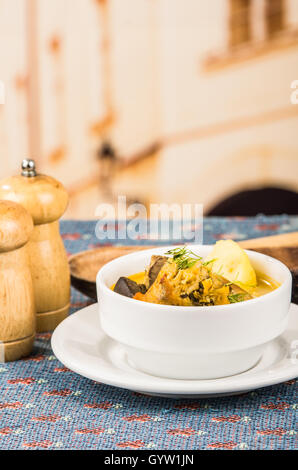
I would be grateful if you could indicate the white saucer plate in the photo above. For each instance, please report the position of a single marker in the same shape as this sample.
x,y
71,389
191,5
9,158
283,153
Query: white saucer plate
x,y
81,345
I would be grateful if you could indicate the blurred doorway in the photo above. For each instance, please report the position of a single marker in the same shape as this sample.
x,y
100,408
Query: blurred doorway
x,y
267,201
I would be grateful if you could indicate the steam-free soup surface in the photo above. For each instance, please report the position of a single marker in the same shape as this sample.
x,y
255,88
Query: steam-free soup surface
x,y
183,278
264,283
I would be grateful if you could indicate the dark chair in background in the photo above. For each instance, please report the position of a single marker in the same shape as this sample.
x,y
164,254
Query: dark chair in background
x,y
267,201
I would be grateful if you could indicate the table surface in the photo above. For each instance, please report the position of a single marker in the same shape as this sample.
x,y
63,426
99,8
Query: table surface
x,y
43,405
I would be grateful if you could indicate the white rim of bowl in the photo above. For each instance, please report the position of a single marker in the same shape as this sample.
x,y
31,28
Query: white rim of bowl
x,y
109,291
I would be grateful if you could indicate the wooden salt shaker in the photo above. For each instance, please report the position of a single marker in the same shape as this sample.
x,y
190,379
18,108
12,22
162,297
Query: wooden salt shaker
x,y
17,309
46,200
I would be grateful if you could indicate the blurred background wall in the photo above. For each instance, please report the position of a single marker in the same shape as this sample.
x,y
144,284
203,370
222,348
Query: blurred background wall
x,y
158,100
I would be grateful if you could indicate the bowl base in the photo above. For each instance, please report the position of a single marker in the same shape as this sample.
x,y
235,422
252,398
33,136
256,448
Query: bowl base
x,y
194,366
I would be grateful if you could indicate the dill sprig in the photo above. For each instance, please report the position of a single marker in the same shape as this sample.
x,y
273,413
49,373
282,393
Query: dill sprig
x,y
234,298
183,257
209,262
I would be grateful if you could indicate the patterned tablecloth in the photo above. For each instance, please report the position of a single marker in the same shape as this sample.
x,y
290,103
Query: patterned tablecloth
x,y
43,405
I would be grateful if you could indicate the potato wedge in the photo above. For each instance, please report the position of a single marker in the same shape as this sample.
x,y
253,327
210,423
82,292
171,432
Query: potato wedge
x,y
230,261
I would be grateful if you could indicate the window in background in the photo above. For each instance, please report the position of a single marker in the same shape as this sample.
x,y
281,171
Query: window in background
x,y
240,22
275,17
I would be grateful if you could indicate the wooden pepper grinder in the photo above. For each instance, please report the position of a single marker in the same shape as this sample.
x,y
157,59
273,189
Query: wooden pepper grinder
x,y
46,200
17,309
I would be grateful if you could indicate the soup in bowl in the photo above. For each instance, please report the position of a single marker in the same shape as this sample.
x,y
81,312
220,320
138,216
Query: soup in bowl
x,y
189,330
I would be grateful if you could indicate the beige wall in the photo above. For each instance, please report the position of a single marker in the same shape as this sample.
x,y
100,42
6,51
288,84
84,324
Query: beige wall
x,y
235,125
13,63
136,71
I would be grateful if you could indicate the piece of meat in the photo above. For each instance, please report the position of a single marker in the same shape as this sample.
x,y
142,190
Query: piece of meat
x,y
172,284
128,288
155,266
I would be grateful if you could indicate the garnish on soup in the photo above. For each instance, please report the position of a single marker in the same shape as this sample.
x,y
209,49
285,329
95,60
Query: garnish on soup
x,y
183,278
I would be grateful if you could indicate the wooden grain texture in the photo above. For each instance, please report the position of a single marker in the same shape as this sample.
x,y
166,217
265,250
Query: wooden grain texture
x,y
16,226
85,265
46,200
17,305
44,197
47,321
49,268
273,241
14,350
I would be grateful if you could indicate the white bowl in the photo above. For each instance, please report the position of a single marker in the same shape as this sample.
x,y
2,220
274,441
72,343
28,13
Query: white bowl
x,y
193,342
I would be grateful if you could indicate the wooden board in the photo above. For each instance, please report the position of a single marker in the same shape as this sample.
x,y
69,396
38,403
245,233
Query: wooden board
x,y
85,265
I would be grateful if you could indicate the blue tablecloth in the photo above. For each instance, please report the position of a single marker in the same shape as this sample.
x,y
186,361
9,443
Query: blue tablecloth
x,y
43,405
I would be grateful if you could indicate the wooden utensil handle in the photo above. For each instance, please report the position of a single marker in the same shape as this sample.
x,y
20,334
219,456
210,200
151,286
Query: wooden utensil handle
x,y
273,241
